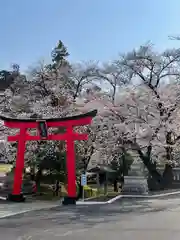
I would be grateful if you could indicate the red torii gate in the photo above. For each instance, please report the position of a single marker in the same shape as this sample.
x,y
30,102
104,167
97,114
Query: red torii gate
x,y
42,125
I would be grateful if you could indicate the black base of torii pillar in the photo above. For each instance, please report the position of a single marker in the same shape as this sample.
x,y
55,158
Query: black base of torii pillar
x,y
69,201
42,126
16,198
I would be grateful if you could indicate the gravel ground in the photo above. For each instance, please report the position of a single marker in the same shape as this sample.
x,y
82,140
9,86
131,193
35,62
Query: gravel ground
x,y
127,219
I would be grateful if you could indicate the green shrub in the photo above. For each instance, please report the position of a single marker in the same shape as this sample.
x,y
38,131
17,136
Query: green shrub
x,y
89,192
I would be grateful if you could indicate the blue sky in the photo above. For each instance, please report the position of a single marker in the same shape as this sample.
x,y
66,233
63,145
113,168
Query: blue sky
x,y
91,29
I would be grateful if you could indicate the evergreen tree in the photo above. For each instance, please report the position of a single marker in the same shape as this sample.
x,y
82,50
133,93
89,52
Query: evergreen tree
x,y
59,54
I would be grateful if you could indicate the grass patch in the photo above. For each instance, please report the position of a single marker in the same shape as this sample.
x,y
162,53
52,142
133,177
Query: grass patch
x,y
45,193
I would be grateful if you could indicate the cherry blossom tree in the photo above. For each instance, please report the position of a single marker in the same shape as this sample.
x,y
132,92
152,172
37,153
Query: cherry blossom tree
x,y
151,68
46,93
142,116
155,69
134,121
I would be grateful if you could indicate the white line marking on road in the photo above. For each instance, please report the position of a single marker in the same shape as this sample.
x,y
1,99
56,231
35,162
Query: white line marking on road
x,y
9,213
3,198
68,233
14,213
89,203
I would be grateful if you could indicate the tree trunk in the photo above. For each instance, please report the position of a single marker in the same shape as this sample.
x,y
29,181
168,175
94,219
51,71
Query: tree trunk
x,y
125,169
168,173
168,176
106,184
87,159
169,148
38,179
32,173
115,184
150,166
164,180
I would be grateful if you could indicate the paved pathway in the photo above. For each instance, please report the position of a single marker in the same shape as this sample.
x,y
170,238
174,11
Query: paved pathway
x,y
125,220
9,209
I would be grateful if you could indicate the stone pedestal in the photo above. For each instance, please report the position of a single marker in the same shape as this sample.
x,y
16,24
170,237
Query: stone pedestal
x,y
135,185
136,181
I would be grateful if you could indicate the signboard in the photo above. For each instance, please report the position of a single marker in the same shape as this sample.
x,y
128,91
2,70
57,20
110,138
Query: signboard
x,y
83,180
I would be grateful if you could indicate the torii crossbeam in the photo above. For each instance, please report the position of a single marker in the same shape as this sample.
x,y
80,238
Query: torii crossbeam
x,y
42,125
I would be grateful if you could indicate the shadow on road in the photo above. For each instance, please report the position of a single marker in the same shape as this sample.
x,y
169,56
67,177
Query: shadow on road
x,y
53,223
86,215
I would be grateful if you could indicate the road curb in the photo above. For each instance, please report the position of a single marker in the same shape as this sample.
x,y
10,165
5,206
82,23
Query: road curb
x,y
155,196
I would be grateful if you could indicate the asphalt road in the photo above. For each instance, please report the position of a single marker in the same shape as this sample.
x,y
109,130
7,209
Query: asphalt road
x,y
133,219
